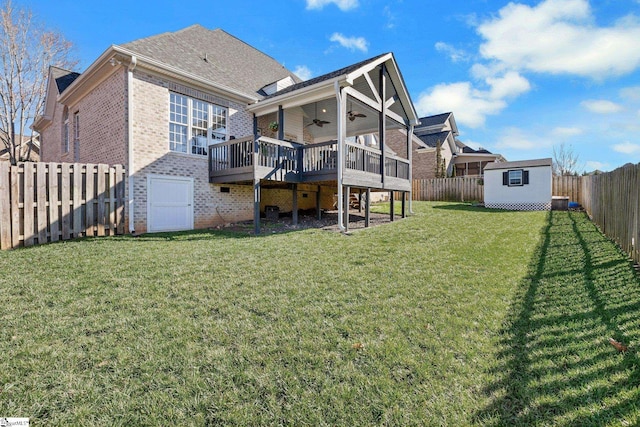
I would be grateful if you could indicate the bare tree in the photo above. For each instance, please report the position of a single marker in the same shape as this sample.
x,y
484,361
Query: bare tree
x,y
565,160
27,50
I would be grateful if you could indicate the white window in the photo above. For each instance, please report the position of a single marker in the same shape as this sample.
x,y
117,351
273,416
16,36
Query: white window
x,y
65,130
195,124
515,177
76,136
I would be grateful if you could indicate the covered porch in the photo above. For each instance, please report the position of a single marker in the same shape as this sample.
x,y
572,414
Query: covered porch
x,y
329,132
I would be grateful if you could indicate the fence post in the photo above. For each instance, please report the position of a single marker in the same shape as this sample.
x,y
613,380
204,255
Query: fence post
x,y
5,207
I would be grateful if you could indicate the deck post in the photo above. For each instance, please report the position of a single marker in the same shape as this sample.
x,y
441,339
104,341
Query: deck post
x,y
367,208
345,202
360,200
382,122
256,206
404,204
391,211
318,208
280,123
294,213
410,158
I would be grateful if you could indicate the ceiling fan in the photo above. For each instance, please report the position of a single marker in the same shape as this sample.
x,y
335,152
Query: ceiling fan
x,y
317,121
352,115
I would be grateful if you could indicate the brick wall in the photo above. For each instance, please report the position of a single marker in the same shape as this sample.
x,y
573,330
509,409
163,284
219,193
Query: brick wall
x,y
152,155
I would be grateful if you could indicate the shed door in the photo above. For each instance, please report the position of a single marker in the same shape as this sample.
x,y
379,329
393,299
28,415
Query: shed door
x,y
169,203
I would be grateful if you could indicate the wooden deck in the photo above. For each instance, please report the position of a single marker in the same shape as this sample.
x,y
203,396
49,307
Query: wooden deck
x,y
245,161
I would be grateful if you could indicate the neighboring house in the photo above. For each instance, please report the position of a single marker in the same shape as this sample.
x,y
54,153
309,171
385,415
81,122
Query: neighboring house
x,y
470,162
213,131
28,149
521,185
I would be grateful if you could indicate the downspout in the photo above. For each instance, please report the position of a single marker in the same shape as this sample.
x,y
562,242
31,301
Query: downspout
x,y
131,201
340,157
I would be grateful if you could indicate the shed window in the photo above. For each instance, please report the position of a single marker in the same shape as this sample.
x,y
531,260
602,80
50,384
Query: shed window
x,y
515,178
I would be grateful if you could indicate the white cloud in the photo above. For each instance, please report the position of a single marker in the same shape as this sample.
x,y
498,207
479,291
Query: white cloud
x,y
455,55
517,139
630,93
627,148
351,43
342,4
391,18
510,85
601,106
592,165
566,131
560,37
470,105
303,72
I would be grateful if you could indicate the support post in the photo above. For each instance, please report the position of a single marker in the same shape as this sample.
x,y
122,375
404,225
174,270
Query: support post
x,y
294,213
404,204
410,158
367,208
256,206
392,214
345,202
318,209
360,201
382,122
280,123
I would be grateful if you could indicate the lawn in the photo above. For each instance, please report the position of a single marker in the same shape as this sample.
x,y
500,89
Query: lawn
x,y
454,316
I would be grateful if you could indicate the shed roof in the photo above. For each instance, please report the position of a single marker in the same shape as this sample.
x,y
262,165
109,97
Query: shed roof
x,y
520,164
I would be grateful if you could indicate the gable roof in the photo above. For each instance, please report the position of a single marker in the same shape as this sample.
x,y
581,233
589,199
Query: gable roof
x,y
431,139
63,78
520,164
333,74
438,119
213,55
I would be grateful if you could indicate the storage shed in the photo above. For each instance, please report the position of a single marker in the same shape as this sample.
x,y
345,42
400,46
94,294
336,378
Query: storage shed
x,y
523,185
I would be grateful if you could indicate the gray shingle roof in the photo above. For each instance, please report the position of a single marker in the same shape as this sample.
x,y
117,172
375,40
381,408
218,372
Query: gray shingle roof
x,y
520,164
63,77
438,119
213,55
328,76
432,139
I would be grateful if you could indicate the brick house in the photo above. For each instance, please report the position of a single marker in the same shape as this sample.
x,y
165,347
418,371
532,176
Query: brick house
x,y
213,131
440,132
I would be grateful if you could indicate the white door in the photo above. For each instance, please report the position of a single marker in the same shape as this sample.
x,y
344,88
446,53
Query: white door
x,y
169,203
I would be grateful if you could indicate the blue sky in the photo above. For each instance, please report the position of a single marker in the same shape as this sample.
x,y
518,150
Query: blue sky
x,y
520,77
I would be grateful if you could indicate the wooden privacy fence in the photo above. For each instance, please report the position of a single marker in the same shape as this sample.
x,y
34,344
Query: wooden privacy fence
x,y
47,202
568,186
449,189
612,200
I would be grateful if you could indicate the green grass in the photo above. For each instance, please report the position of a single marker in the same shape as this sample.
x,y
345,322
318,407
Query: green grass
x,y
454,316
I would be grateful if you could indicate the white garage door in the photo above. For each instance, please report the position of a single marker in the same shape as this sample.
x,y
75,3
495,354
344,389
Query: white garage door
x,y
169,203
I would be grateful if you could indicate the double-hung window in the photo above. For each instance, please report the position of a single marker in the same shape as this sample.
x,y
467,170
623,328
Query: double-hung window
x,y
195,124
515,177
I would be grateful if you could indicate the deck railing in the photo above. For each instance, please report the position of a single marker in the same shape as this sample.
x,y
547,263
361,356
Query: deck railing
x,y
287,157
362,158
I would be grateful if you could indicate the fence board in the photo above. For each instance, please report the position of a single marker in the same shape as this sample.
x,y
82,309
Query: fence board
x,y
448,189
65,195
101,199
42,202
90,197
54,209
15,206
5,207
77,200
27,209
41,209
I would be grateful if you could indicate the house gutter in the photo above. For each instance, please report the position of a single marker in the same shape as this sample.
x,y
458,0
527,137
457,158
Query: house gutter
x,y
131,201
